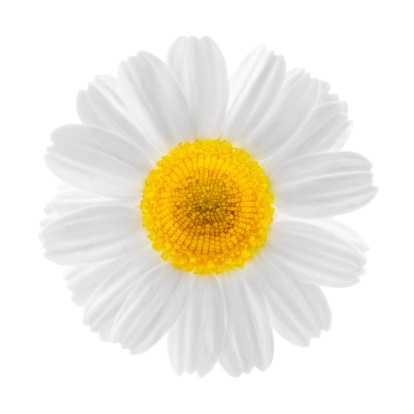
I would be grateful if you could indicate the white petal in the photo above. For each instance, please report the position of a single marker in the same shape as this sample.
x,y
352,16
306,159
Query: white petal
x,y
196,340
323,185
325,96
102,106
93,234
107,300
70,199
249,337
299,311
342,135
151,309
310,253
293,106
155,100
201,70
254,89
97,161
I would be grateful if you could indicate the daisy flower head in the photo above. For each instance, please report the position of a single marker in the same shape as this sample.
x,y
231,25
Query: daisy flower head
x,y
201,207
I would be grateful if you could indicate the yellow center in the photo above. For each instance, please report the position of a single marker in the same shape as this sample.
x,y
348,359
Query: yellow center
x,y
207,206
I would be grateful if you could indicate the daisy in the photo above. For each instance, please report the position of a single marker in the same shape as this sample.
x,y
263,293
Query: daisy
x,y
201,208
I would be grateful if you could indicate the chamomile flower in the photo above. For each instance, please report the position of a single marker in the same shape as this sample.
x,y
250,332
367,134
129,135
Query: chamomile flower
x,y
201,208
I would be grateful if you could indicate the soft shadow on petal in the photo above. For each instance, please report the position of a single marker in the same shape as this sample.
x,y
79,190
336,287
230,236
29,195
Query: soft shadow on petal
x,y
196,340
201,71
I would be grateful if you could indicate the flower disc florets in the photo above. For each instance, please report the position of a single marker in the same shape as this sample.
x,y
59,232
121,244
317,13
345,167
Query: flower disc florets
x,y
207,206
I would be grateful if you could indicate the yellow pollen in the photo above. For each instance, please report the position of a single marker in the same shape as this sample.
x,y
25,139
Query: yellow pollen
x,y
207,206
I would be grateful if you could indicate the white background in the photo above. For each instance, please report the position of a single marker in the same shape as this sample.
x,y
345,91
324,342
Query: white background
x,y
51,363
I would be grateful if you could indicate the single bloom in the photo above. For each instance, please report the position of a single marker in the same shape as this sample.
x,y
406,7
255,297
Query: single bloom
x,y
201,207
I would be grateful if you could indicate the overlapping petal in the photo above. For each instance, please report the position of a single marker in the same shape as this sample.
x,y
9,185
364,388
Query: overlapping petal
x,y
155,100
84,279
313,253
153,306
69,199
249,337
299,311
255,87
196,340
288,112
109,297
327,128
101,105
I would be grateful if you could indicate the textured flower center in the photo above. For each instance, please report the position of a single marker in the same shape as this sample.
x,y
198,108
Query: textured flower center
x,y
207,206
